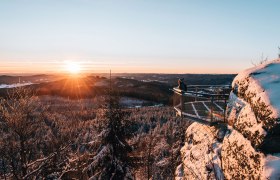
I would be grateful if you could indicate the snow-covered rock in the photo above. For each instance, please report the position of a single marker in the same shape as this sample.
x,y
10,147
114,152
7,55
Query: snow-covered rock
x,y
201,153
258,115
251,145
240,159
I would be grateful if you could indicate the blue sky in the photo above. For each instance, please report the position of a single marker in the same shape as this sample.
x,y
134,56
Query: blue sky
x,y
178,36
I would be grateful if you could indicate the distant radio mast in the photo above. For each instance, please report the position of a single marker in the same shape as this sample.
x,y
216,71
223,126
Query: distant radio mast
x,y
110,94
110,81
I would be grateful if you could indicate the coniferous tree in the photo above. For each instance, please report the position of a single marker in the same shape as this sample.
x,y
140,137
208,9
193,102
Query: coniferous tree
x,y
111,160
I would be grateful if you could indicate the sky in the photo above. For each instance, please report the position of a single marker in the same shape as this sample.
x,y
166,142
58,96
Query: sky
x,y
161,36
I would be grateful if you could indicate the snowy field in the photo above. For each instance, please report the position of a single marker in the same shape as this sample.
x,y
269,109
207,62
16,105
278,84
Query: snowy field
x,y
2,86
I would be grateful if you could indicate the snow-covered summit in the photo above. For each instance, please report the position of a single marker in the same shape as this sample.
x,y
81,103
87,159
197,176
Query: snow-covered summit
x,y
264,80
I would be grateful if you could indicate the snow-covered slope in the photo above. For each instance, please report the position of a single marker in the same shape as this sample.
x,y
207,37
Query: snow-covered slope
x,y
250,147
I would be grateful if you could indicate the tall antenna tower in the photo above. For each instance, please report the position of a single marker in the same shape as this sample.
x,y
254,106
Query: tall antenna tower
x,y
278,52
110,93
110,82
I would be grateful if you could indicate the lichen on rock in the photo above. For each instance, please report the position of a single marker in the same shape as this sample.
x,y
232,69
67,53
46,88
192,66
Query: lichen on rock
x,y
240,159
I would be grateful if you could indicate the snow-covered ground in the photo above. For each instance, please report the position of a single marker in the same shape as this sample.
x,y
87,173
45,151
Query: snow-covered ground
x,y
14,85
131,102
137,103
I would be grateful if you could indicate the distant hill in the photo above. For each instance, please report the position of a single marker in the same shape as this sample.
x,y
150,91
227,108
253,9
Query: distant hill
x,y
7,79
171,79
149,87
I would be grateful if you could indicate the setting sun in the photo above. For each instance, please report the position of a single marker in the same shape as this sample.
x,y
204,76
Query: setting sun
x,y
73,67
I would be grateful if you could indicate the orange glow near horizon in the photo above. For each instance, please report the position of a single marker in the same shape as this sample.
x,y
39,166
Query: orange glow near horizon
x,y
79,67
73,67
78,70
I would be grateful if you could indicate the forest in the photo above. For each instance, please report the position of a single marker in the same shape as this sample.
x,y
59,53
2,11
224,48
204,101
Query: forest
x,y
93,127
56,138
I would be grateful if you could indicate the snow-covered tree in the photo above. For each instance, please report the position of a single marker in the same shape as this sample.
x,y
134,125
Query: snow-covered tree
x,y
25,152
111,160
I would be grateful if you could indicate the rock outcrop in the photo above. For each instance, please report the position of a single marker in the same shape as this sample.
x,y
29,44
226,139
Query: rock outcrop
x,y
248,149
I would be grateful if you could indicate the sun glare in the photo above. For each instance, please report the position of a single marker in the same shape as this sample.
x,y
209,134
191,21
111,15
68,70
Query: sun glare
x,y
73,67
